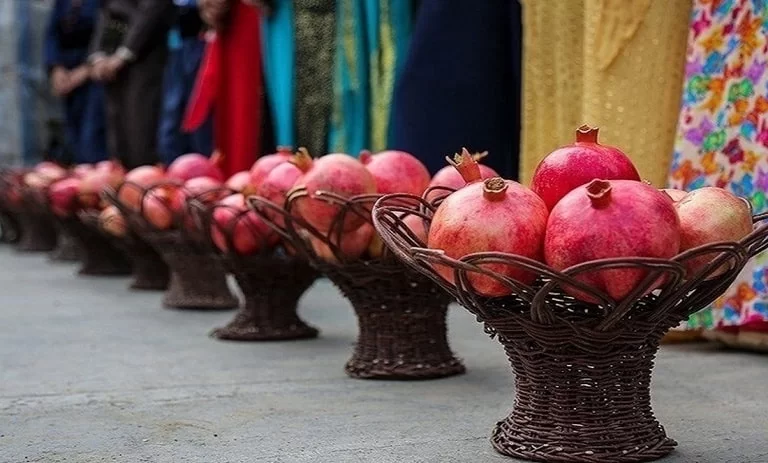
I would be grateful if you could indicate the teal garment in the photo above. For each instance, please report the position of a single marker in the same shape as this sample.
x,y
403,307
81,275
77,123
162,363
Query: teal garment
x,y
350,121
388,28
279,69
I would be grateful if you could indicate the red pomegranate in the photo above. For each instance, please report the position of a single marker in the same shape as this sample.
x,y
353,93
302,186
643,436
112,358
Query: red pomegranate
x,y
248,232
136,181
281,179
111,165
451,177
493,215
241,183
574,165
205,189
675,195
36,181
414,223
192,165
709,215
341,175
396,172
95,182
81,170
161,204
352,244
264,165
63,196
112,221
50,171
611,219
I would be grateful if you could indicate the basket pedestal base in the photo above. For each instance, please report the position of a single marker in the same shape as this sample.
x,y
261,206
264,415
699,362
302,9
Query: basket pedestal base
x,y
198,279
401,319
37,233
98,255
150,272
66,247
272,287
580,407
9,227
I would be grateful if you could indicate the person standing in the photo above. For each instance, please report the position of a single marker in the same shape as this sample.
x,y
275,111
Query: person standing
x,y
67,38
129,51
186,44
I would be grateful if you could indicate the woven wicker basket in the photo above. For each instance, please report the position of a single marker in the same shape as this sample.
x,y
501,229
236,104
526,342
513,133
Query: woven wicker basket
x,y
9,227
401,314
10,231
66,245
198,280
271,281
99,253
38,233
582,371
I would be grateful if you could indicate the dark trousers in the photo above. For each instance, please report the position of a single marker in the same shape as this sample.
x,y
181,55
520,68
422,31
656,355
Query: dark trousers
x,y
84,125
180,74
133,110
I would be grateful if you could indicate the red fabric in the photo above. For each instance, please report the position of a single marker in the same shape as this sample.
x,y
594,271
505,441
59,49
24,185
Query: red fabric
x,y
231,83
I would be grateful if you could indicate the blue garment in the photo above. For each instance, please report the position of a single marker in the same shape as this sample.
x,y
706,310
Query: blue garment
x,y
66,44
178,83
460,84
85,127
278,56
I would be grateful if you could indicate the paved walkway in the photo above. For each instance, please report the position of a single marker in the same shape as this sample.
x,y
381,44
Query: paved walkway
x,y
90,372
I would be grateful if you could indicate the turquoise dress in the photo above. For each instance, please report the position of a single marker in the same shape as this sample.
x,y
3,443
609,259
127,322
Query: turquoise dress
x,y
278,51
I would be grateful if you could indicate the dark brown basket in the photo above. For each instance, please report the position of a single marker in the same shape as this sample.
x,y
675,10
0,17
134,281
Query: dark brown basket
x,y
582,371
9,227
66,245
38,233
198,278
271,282
401,314
99,253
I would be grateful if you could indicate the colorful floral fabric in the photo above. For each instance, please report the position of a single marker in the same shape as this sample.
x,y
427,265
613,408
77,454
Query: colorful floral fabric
x,y
722,136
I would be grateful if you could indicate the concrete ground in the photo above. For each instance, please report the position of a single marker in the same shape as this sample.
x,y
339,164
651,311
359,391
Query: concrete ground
x,y
90,372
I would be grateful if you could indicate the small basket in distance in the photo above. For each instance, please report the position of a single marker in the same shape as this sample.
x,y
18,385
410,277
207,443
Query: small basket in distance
x,y
100,254
401,314
66,249
150,272
272,282
198,279
582,371
38,233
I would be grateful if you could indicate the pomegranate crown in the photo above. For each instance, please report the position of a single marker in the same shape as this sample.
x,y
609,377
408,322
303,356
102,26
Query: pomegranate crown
x,y
599,192
466,165
586,134
302,159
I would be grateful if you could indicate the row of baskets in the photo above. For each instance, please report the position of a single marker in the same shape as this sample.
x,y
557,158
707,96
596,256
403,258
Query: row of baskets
x,y
582,371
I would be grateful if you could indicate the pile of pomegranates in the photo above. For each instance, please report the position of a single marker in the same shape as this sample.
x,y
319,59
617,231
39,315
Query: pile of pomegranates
x,y
586,202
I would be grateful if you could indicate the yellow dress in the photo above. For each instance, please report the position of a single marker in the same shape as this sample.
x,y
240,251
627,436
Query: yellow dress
x,y
617,64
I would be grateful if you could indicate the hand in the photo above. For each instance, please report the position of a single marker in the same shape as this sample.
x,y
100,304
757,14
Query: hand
x,y
110,67
78,77
214,12
60,81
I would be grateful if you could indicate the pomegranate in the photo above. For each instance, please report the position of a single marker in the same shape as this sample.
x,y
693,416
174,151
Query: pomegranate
x,y
264,165
611,219
451,177
709,215
574,165
50,171
352,244
81,170
96,181
341,175
241,183
675,195
161,204
36,181
63,196
136,181
396,172
112,221
249,234
414,223
192,165
205,189
494,215
281,179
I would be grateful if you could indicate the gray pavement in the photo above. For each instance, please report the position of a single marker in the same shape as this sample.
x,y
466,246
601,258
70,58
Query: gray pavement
x,y
90,372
